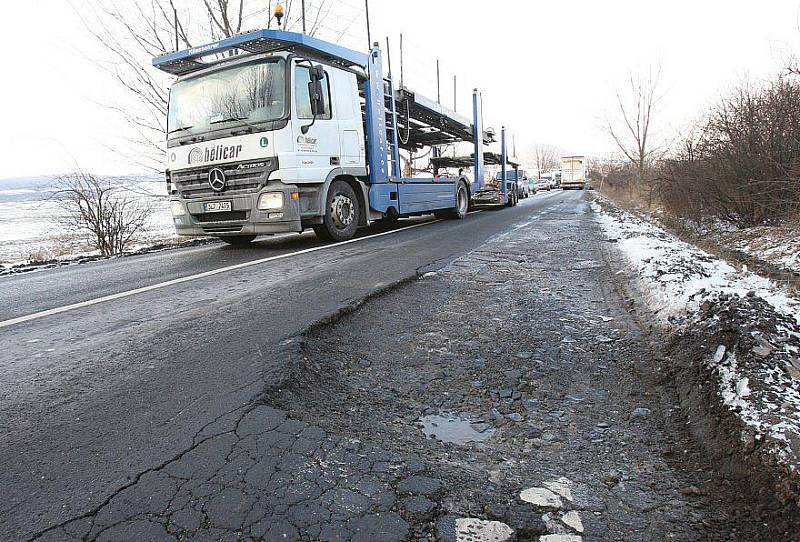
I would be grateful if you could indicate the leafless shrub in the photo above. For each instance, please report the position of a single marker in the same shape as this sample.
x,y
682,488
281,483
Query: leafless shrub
x,y
546,157
109,215
620,182
634,132
743,165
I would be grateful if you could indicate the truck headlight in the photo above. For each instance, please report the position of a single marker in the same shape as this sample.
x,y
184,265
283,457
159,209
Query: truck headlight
x,y
270,200
177,208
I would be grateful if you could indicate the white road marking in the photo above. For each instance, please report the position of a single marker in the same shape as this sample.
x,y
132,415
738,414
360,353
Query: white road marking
x,y
181,280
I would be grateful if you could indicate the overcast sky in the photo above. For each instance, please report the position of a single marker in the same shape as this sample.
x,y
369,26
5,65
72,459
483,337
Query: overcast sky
x,y
548,69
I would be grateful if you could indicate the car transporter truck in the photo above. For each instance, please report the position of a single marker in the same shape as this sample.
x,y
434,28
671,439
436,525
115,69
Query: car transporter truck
x,y
273,131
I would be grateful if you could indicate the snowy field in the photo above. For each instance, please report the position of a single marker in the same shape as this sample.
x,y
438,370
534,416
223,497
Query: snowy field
x,y
29,229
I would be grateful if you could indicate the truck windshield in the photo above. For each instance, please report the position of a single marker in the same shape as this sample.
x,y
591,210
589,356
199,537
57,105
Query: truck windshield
x,y
248,94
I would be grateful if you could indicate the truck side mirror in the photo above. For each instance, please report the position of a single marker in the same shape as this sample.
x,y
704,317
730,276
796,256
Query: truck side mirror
x,y
315,94
317,75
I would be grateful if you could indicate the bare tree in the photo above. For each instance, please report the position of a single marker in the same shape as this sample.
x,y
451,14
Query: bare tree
x,y
633,130
132,32
546,157
108,214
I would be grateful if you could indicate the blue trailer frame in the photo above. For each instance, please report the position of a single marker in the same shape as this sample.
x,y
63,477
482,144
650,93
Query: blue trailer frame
x,y
389,192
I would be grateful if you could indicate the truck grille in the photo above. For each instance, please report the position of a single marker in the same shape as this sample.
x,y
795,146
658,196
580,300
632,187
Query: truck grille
x,y
244,178
221,217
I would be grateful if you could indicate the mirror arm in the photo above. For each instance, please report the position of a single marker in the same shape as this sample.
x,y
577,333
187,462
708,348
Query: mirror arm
x,y
306,127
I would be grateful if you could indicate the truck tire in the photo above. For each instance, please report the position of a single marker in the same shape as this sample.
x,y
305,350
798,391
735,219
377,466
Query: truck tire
x,y
461,208
238,240
512,199
342,213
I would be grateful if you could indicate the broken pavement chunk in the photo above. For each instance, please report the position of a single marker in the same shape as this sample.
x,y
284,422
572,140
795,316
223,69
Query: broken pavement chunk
x,y
561,487
572,520
541,497
561,538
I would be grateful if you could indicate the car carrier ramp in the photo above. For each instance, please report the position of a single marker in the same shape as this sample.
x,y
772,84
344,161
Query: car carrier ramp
x,y
489,158
423,123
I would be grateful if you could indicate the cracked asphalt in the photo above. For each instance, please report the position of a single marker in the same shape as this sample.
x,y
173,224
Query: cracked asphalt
x,y
276,403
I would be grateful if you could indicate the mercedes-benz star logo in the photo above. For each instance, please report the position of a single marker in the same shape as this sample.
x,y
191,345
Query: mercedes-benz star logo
x,y
216,180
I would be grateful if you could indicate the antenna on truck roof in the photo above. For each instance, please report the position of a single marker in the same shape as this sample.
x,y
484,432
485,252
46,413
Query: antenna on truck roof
x,y
369,37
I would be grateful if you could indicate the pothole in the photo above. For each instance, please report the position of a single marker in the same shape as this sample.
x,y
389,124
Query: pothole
x,y
455,429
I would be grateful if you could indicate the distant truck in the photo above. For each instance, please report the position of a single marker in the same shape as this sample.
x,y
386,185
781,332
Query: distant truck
x,y
573,172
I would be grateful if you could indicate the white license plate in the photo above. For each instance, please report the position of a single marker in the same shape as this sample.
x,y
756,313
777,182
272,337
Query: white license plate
x,y
217,206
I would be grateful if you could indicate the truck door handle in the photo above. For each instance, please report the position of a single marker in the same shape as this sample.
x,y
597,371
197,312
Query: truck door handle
x,y
334,160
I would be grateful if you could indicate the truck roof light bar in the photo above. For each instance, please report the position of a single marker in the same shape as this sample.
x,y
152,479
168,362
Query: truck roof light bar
x,y
259,41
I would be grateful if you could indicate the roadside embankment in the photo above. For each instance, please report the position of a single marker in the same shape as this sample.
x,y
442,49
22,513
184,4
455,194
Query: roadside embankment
x,y
734,350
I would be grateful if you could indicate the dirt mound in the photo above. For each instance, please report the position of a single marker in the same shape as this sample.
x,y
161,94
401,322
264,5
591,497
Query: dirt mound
x,y
736,366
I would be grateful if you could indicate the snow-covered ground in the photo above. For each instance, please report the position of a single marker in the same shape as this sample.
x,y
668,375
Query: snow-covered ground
x,y
676,272
753,326
777,246
29,229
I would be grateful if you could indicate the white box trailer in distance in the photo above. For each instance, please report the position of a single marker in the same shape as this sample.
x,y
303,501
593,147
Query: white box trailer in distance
x,y
573,172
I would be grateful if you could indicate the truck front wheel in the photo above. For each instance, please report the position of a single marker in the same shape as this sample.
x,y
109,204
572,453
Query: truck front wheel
x,y
342,213
512,199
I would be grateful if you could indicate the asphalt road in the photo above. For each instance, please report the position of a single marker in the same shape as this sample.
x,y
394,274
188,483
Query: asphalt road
x,y
96,396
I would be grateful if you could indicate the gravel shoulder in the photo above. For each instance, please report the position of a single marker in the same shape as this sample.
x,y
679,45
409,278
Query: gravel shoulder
x,y
527,339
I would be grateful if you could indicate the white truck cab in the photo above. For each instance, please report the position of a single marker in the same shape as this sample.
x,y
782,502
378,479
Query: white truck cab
x,y
247,155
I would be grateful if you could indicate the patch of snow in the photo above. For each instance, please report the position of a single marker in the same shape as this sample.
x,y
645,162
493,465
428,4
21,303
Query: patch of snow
x,y
779,246
673,272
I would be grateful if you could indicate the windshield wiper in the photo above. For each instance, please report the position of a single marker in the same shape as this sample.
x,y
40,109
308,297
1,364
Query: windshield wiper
x,y
229,119
181,129
238,119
